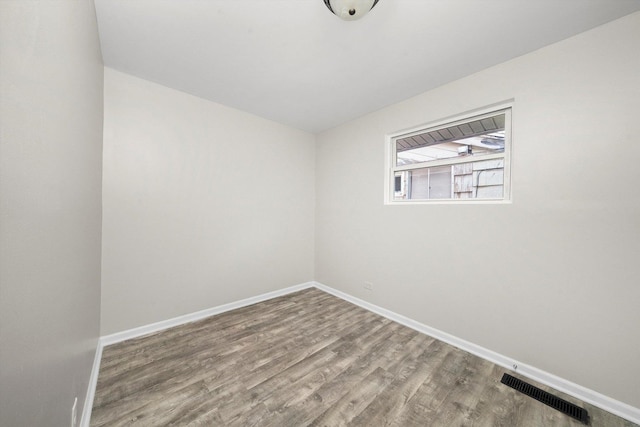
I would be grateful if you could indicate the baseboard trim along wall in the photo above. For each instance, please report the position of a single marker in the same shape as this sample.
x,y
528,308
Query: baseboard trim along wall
x,y
91,388
192,317
616,407
166,324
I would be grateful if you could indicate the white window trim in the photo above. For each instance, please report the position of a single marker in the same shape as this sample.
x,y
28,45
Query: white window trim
x,y
390,156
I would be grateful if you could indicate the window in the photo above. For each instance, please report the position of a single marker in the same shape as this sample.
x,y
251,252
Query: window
x,y
463,160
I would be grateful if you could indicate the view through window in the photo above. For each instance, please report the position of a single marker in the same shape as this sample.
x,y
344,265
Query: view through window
x,y
461,160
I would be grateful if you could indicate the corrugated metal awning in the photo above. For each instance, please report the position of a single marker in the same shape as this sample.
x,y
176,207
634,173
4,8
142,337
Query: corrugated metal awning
x,y
470,129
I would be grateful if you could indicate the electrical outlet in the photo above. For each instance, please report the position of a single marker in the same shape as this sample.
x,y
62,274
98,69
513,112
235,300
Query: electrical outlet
x,y
368,286
74,413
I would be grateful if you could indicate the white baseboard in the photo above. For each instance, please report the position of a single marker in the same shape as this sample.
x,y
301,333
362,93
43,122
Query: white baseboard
x,y
192,317
601,401
91,388
165,324
592,397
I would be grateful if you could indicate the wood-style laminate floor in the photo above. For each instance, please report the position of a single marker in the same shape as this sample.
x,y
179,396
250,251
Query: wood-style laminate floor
x,y
309,358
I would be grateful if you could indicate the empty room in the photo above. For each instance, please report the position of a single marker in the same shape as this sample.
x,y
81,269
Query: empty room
x,y
319,213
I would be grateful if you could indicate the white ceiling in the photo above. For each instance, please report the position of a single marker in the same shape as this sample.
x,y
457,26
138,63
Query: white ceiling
x,y
294,62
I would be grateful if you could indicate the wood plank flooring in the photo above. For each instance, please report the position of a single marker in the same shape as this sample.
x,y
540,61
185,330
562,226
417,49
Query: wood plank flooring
x,y
309,359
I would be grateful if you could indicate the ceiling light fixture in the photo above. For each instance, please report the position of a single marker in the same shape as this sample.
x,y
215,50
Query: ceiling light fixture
x,y
350,10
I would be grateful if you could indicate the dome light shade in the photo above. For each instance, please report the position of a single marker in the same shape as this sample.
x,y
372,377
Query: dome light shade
x,y
350,10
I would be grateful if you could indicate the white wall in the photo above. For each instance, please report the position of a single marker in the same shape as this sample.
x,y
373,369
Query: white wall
x,y
51,101
551,279
203,204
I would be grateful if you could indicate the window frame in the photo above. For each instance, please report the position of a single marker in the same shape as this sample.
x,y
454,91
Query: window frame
x,y
391,167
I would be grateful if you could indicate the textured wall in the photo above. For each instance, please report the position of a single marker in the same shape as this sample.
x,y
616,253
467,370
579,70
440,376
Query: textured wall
x,y
203,204
51,104
550,279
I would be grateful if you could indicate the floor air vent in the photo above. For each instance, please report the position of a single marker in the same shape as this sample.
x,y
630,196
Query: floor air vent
x,y
549,399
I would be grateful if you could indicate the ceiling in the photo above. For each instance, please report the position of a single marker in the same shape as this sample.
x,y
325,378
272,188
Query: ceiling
x,y
294,62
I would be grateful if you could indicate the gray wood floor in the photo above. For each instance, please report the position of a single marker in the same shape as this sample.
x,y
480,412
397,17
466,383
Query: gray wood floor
x,y
308,358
